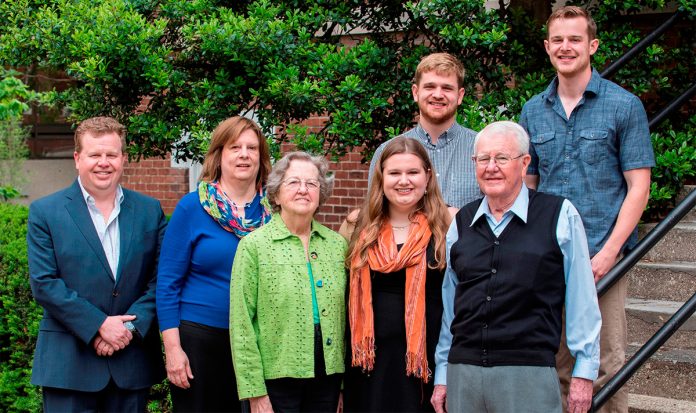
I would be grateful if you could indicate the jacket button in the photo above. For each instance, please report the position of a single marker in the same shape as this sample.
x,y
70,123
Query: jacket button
x,y
115,293
485,326
489,298
496,242
329,341
320,283
494,271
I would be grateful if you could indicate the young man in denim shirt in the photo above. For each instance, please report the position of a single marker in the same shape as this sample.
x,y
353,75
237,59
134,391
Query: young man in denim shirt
x,y
591,144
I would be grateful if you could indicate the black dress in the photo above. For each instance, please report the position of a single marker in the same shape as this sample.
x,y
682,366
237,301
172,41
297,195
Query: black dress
x,y
387,388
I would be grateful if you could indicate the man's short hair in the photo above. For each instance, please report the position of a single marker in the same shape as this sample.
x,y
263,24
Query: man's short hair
x,y
571,12
442,64
99,126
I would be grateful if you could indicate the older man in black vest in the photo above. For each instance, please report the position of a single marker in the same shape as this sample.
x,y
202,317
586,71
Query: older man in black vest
x,y
515,258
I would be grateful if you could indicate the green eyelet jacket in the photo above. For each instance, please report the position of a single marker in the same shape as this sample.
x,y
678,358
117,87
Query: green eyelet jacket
x,y
271,322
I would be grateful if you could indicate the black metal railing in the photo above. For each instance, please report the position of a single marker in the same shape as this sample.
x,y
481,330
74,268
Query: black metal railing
x,y
672,106
653,237
672,325
645,352
645,244
641,45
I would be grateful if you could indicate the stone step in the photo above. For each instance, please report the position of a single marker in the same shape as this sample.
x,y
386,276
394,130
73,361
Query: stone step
x,y
667,374
645,317
640,403
674,280
691,216
679,244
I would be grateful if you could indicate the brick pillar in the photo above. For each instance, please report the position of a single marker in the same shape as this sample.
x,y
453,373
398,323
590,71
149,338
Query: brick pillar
x,y
157,178
350,190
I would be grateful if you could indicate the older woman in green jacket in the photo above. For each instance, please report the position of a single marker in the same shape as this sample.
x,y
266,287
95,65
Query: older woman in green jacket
x,y
287,298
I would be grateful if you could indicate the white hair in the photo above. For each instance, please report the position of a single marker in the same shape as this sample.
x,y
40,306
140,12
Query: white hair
x,y
505,127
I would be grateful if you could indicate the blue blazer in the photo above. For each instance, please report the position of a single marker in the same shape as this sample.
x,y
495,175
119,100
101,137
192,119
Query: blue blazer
x,y
71,279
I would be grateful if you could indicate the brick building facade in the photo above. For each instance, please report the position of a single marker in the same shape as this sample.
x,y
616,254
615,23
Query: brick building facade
x,y
158,178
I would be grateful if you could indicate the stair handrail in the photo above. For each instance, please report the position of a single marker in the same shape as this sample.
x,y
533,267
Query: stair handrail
x,y
641,45
645,352
632,257
672,325
651,238
672,106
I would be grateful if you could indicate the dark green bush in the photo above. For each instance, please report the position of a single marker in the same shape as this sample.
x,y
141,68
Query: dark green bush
x,y
675,155
19,314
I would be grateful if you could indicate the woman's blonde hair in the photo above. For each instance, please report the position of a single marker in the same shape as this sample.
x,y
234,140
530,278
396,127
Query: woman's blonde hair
x,y
375,209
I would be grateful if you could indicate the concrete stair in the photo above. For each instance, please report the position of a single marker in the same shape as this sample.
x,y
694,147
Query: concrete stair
x,y
639,403
658,286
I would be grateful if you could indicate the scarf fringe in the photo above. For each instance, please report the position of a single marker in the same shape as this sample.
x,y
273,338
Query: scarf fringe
x,y
363,354
417,366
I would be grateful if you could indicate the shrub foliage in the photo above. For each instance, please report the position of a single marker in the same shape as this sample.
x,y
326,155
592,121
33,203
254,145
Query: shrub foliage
x,y
19,314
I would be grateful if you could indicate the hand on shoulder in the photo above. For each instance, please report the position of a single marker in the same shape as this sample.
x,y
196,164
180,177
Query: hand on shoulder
x,y
452,212
348,225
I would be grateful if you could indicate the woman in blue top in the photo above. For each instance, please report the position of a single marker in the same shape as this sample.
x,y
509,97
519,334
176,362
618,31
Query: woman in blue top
x,y
193,282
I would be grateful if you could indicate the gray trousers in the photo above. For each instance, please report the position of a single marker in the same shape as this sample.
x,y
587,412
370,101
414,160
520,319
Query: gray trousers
x,y
502,389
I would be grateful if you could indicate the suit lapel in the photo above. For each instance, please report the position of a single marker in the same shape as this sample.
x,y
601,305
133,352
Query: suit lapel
x,y
77,209
125,227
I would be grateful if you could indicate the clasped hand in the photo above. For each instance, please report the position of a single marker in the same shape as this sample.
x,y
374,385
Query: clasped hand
x,y
113,335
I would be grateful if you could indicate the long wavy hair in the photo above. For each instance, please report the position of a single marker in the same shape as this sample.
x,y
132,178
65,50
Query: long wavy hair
x,y
375,209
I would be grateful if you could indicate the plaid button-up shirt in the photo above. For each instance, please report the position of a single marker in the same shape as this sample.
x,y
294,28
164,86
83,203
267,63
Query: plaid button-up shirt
x,y
451,157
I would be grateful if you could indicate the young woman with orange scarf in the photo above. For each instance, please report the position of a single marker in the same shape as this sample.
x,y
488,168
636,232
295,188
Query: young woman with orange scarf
x,y
396,262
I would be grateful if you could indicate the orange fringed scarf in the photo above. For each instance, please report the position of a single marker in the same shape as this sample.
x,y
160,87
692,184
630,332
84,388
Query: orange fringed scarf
x,y
384,257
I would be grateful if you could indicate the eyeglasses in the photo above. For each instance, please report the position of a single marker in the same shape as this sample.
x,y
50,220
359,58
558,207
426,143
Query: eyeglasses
x,y
295,183
499,159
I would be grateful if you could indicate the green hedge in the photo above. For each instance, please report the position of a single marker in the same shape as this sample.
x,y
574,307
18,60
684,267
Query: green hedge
x,y
19,314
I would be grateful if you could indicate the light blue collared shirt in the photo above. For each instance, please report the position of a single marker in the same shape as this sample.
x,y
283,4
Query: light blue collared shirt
x,y
583,320
108,231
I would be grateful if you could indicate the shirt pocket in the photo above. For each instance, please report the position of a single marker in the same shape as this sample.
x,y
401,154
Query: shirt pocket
x,y
592,145
546,147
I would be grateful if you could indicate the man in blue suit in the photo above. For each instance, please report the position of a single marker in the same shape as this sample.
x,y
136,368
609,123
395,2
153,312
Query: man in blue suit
x,y
93,250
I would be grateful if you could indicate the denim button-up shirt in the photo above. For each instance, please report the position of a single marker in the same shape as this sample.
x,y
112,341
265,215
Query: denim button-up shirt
x,y
583,158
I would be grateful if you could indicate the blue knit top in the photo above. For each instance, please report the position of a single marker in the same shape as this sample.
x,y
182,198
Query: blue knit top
x,y
193,279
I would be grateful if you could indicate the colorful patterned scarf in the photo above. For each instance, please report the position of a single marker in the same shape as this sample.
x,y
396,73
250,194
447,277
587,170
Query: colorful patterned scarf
x,y
384,257
222,210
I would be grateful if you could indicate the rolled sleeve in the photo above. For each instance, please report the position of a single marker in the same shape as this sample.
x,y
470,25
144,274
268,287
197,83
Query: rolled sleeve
x,y
635,143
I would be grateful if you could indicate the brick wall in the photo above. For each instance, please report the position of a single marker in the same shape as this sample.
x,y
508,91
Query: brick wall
x,y
157,178
350,190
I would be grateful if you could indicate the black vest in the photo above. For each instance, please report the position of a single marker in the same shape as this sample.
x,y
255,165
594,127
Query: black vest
x,y
511,289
